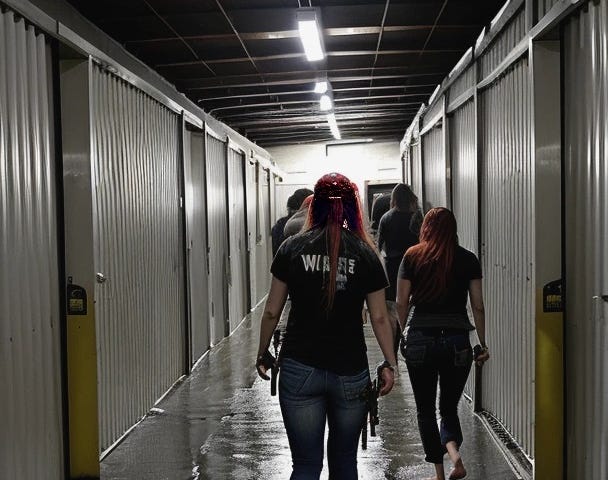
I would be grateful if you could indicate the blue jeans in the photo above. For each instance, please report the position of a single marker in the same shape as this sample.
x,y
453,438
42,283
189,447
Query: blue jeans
x,y
309,397
433,355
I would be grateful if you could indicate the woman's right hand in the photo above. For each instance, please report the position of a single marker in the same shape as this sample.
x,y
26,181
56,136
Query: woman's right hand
x,y
483,357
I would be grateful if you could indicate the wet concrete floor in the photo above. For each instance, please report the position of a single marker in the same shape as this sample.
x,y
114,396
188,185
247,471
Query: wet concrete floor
x,y
222,423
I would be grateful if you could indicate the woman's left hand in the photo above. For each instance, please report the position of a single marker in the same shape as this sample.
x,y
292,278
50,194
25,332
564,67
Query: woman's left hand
x,y
388,380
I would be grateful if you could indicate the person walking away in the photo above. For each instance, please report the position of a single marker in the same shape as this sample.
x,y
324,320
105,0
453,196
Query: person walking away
x,y
296,222
434,279
397,231
328,270
293,204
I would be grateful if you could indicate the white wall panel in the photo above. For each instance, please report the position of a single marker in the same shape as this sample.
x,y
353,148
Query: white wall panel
x,y
237,291
434,169
416,156
217,226
503,44
463,157
197,228
252,205
31,436
140,307
263,244
586,204
508,252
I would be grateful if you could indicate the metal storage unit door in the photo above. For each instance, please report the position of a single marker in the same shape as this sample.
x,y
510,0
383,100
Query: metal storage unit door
x,y
30,373
140,306
263,231
199,315
252,205
464,174
434,169
217,226
416,157
586,203
507,211
238,235
263,245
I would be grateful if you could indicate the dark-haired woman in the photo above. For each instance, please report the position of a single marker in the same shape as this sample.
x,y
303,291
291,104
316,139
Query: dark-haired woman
x,y
329,270
434,279
397,231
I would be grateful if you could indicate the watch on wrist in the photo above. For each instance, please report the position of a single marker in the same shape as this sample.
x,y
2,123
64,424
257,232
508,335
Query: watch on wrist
x,y
386,364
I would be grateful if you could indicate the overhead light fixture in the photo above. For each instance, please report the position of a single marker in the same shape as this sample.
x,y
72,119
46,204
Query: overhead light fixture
x,y
310,34
333,126
325,103
321,87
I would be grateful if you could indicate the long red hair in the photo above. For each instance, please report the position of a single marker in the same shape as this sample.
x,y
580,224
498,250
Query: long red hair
x,y
335,205
433,257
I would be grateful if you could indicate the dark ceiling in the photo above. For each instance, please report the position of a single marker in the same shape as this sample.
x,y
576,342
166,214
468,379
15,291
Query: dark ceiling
x,y
242,60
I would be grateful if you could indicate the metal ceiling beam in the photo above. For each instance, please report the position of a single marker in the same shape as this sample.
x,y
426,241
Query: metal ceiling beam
x,y
180,38
306,79
311,91
295,102
283,34
286,56
322,124
379,42
362,108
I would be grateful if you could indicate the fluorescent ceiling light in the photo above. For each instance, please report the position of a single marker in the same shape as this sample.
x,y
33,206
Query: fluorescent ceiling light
x,y
321,87
326,103
333,126
310,35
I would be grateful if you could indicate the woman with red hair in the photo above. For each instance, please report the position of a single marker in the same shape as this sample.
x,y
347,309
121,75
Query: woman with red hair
x,y
435,277
328,270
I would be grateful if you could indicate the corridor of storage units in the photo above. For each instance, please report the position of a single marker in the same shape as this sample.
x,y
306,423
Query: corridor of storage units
x,y
135,243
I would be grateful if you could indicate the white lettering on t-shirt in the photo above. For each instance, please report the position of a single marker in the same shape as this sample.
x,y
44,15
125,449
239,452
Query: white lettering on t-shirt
x,y
314,263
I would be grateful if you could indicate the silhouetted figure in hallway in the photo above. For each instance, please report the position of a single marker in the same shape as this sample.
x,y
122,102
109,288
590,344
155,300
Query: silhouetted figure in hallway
x,y
294,202
398,230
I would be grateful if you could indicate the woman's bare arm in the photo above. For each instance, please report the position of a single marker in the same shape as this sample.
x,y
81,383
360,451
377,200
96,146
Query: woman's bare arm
x,y
272,313
383,330
404,288
479,315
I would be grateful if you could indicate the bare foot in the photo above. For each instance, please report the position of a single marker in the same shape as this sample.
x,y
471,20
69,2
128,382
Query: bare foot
x,y
458,471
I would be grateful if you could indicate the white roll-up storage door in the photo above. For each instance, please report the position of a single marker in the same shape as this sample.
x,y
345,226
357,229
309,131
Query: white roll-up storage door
x,y
434,169
261,250
31,436
416,158
217,227
463,158
138,248
238,238
508,252
199,288
586,239
252,221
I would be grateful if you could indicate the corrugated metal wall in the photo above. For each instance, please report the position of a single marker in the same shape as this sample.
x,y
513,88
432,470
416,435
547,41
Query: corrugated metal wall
x,y
263,258
586,203
237,289
217,227
508,252
543,6
464,82
503,44
416,156
31,436
138,249
463,157
252,205
434,169
197,229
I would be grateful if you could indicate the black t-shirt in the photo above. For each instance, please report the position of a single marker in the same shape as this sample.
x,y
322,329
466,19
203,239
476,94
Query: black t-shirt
x,y
465,268
394,233
332,340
